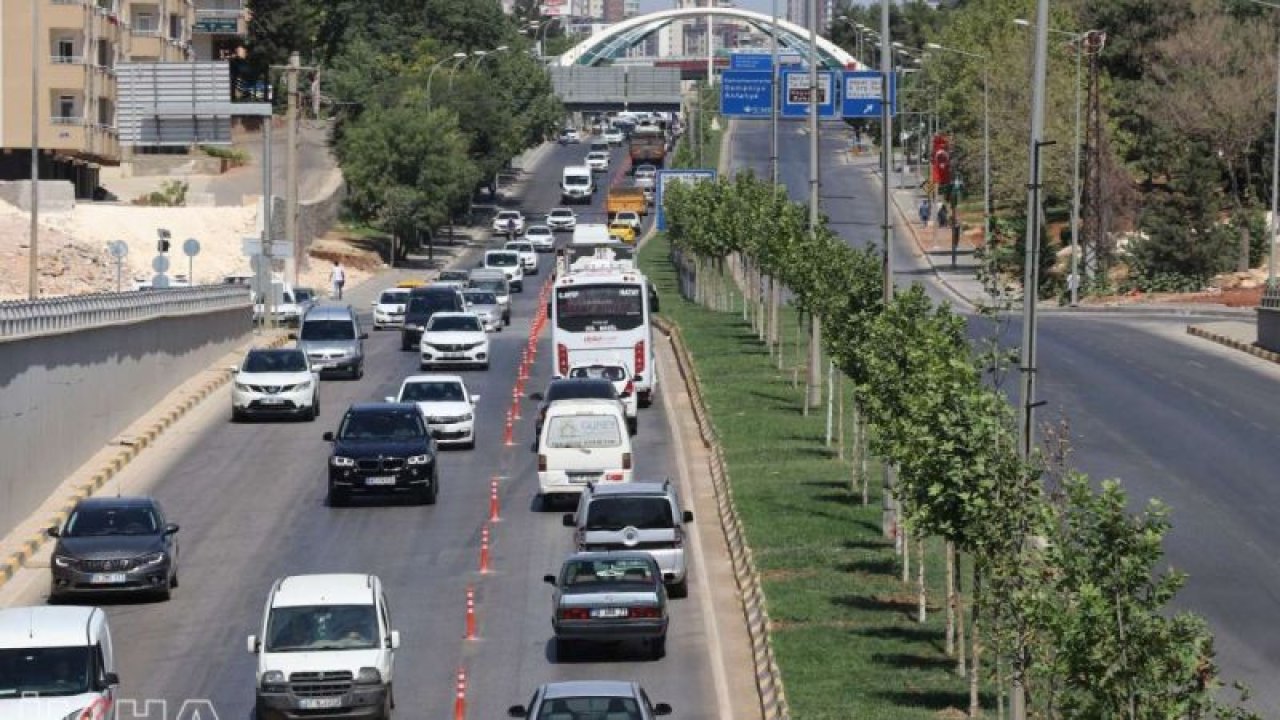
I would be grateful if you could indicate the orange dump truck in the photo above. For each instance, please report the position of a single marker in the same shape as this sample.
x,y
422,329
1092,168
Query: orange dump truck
x,y
623,198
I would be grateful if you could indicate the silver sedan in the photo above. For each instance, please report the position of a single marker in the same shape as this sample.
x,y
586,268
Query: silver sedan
x,y
609,597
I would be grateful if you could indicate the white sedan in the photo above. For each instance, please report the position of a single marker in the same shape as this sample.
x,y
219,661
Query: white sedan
x,y
618,374
613,136
508,221
388,309
528,255
541,237
562,218
598,161
454,338
629,217
277,383
447,407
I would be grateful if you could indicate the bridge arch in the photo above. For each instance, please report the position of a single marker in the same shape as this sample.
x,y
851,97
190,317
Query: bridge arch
x,y
628,33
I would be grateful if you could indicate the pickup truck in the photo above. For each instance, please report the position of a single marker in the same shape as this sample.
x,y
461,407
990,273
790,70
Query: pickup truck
x,y
622,199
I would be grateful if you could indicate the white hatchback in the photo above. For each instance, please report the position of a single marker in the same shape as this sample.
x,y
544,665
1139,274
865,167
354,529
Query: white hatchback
x,y
447,407
454,338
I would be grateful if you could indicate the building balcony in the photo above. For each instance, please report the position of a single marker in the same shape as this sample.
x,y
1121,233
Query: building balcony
x,y
65,72
147,44
64,14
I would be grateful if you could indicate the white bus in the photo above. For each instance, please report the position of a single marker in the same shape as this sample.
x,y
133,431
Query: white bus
x,y
602,315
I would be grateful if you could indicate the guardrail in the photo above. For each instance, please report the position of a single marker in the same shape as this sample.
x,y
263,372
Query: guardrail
x,y
20,319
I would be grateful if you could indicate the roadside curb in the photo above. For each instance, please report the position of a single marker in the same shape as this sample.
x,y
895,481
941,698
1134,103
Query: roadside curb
x,y
768,677
1234,344
32,544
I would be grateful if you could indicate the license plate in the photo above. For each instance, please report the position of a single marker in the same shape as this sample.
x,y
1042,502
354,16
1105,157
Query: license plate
x,y
325,703
608,612
581,477
454,356
272,401
108,578
321,366
381,480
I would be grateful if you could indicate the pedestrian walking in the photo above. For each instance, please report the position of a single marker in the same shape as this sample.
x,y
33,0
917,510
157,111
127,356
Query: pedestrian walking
x,y
925,212
338,276
943,216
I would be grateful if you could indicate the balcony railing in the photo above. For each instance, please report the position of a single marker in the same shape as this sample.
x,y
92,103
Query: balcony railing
x,y
152,30
67,120
67,59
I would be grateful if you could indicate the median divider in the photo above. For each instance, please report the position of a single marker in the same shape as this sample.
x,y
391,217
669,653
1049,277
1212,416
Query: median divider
x,y
773,702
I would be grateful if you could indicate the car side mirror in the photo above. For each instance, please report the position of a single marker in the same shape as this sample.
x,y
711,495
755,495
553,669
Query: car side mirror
x,y
569,520
662,709
536,397
52,532
475,399
364,336
668,577
688,516
393,640
549,579
293,336
373,303
233,369
391,398
252,645
171,528
111,679
328,436
517,711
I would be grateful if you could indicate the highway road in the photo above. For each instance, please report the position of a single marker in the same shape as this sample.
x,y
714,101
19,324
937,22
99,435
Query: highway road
x,y
250,500
1175,417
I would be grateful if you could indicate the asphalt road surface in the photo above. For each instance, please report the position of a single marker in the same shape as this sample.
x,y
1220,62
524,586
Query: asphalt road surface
x,y
250,500
1175,417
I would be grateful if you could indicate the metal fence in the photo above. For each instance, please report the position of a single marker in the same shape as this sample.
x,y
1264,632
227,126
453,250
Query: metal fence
x,y
25,318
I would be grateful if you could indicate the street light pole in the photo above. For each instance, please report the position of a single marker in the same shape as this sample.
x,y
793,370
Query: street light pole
x,y
33,261
813,393
1073,282
773,97
432,73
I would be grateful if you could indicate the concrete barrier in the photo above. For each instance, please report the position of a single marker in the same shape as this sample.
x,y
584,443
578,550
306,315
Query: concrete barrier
x,y
65,393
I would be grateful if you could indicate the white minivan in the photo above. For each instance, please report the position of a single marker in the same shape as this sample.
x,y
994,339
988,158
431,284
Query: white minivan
x,y
582,441
576,184
56,662
326,649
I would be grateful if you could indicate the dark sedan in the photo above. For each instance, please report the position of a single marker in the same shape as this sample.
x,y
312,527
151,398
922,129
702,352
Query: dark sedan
x,y
609,597
573,389
114,545
383,448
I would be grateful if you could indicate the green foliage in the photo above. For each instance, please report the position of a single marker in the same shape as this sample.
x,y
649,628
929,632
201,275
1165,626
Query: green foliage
x,y
172,193
236,156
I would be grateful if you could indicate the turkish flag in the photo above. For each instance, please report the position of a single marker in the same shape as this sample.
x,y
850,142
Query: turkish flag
x,y
940,161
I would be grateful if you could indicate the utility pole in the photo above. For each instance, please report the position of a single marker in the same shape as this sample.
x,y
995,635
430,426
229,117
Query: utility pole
x,y
33,261
291,167
1030,291
269,292
711,74
888,509
813,380
775,291
1073,281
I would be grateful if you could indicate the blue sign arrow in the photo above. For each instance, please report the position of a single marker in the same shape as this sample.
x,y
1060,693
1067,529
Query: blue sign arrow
x,y
746,93
862,95
795,93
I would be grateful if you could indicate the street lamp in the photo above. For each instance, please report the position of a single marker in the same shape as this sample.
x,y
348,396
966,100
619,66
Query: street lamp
x,y
431,75
986,141
1275,173
542,31
453,69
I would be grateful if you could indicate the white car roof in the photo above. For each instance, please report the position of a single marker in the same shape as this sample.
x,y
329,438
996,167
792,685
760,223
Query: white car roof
x,y
509,213
561,211
324,589
453,314
416,379
396,290
49,626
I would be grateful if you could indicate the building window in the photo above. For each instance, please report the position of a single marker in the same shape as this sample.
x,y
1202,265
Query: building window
x,y
145,22
106,113
175,27
64,50
66,109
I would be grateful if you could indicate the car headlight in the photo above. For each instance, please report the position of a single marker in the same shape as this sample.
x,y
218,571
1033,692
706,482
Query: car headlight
x,y
304,385
149,559
466,418
273,681
65,561
419,460
339,461
368,676
242,387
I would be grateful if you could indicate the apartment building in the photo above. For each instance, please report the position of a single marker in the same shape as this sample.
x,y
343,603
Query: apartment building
x,y
77,45
219,28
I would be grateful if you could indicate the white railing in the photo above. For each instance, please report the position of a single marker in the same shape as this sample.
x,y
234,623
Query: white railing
x,y
82,312
67,59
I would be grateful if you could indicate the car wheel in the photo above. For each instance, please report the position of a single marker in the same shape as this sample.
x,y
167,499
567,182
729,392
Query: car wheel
x,y
358,372
471,444
404,345
658,647
564,649
645,399
236,416
423,366
435,492
173,581
633,424
336,497
680,589
506,319
166,594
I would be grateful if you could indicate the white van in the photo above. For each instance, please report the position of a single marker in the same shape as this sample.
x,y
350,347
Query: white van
x,y
591,234
326,648
576,184
56,662
582,441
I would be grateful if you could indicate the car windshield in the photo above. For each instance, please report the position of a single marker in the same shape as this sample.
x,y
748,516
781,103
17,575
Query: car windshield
x,y
508,215
450,323
602,571
322,627
599,308
275,361
583,431
643,513
97,521
561,214
481,297
393,298
502,259
434,391
304,295
538,230
382,425
612,373
493,285
573,180
577,388
432,303
327,330
453,275
590,708
45,672
520,246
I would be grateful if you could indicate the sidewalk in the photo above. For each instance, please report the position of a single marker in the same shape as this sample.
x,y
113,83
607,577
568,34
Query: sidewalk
x,y
1235,334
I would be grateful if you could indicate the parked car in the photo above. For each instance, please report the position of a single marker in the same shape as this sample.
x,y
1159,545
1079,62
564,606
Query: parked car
x,y
382,449
447,406
454,338
562,219
635,516
388,309
423,303
114,545
275,382
618,374
541,237
325,649
484,303
57,663
608,699
610,597
331,337
508,221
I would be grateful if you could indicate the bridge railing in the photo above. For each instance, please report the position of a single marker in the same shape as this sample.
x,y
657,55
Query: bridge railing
x,y
20,319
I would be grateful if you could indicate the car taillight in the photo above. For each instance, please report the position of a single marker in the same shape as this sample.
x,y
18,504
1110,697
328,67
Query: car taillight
x,y
575,614
630,388
643,612
542,462
626,461
562,358
640,357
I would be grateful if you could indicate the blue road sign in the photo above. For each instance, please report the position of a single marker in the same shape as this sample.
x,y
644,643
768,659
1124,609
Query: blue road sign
x,y
746,93
750,61
862,95
795,93
666,176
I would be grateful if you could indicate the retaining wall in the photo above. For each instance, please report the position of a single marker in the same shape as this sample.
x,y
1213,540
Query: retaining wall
x,y
68,388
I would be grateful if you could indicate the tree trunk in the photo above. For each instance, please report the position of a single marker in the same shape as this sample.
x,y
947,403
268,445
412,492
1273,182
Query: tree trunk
x,y
950,559
922,613
904,549
762,287
1244,250
839,380
775,317
961,646
862,461
975,652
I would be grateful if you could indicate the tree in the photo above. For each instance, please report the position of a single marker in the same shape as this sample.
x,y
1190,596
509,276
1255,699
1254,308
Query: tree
x,y
279,27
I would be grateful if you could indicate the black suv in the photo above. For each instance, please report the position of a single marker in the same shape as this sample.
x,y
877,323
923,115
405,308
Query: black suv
x,y
383,448
423,303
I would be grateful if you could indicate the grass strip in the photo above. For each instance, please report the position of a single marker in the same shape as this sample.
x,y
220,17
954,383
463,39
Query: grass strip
x,y
844,625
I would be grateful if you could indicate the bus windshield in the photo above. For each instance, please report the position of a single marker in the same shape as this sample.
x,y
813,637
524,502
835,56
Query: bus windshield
x,y
599,308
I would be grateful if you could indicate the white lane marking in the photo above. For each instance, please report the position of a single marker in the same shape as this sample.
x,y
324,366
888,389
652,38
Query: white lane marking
x,y
719,675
